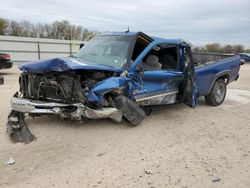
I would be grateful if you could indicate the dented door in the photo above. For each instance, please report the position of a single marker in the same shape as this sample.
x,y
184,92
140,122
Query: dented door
x,y
159,87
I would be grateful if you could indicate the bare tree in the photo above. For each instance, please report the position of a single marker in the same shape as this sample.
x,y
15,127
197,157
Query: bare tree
x,y
57,30
3,26
238,48
13,29
64,30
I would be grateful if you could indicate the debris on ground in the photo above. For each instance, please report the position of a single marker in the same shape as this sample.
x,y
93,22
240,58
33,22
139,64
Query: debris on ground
x,y
17,128
82,146
216,179
101,154
10,161
148,172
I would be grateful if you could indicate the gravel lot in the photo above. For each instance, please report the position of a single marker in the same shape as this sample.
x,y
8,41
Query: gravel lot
x,y
175,146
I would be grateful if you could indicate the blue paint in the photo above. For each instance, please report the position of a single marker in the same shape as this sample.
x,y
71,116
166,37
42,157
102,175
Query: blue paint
x,y
137,84
205,75
157,81
105,86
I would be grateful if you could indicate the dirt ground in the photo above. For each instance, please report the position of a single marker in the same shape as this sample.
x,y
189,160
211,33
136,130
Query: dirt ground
x,y
175,146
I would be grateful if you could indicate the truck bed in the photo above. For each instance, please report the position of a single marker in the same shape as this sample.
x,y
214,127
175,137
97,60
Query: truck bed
x,y
204,58
207,72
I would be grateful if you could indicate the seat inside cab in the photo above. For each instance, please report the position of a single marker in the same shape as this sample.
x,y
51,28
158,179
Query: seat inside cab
x,y
161,57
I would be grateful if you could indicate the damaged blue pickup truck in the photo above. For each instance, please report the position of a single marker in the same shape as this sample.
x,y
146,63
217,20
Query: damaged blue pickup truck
x,y
117,75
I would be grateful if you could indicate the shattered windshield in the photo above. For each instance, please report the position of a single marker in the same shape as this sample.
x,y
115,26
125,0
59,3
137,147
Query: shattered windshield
x,y
106,50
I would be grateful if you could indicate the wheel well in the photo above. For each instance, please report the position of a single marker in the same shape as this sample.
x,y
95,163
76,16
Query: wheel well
x,y
224,77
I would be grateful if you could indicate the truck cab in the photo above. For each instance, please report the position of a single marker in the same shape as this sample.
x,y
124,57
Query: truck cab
x,y
166,71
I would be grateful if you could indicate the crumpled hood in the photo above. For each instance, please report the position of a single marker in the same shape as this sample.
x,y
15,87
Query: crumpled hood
x,y
64,64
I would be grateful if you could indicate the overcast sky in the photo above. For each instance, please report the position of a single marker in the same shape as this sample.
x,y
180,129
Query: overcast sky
x,y
199,22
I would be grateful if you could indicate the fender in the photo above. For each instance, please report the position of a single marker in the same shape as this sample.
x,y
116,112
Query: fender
x,y
225,73
96,92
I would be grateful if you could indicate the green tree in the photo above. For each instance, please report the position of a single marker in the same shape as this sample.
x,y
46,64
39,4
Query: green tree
x,y
214,47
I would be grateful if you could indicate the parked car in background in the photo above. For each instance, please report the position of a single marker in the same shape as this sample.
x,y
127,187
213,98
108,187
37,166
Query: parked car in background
x,y
5,62
245,56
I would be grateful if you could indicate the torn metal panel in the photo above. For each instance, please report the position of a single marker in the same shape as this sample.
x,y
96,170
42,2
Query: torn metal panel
x,y
157,99
17,128
111,113
109,84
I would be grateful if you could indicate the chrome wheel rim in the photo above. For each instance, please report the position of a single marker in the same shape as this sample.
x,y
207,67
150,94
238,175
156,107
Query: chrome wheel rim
x,y
220,92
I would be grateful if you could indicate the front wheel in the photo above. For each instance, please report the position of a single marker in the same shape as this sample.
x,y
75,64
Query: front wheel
x,y
130,110
217,94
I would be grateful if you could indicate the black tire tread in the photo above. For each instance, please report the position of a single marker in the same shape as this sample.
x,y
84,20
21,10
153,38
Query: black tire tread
x,y
130,110
210,98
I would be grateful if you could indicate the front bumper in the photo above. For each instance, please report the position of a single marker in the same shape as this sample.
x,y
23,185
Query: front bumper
x,y
73,111
18,130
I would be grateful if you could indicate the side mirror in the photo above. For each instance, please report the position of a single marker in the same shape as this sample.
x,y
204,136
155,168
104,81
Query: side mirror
x,y
81,45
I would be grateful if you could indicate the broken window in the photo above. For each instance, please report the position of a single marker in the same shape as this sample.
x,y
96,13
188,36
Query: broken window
x,y
161,57
140,45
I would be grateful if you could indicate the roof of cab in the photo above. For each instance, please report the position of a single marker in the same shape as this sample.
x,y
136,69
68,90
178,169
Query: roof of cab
x,y
172,41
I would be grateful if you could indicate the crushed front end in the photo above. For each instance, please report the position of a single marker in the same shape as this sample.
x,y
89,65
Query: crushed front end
x,y
94,83
70,95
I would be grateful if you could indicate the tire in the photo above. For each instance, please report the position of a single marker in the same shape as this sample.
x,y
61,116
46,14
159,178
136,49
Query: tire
x,y
130,110
218,93
147,110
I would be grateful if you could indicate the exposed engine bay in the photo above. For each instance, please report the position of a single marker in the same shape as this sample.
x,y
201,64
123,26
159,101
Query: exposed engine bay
x,y
68,87
70,95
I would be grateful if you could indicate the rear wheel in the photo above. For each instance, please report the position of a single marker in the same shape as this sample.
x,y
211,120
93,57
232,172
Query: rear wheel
x,y
217,94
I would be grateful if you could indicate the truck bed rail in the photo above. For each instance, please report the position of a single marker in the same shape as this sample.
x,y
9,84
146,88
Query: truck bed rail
x,y
203,58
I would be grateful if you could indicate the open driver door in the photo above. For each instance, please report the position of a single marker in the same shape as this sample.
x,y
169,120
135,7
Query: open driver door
x,y
190,90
